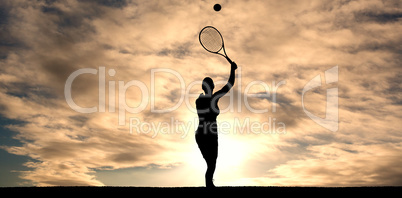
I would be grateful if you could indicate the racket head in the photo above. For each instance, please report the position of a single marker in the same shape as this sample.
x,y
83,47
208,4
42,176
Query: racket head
x,y
211,39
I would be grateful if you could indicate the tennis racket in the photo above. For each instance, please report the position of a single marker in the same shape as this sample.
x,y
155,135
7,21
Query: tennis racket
x,y
212,41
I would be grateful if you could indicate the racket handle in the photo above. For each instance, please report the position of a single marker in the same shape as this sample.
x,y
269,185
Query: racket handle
x,y
230,61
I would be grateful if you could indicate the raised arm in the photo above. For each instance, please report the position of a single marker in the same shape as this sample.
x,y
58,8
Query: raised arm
x,y
230,83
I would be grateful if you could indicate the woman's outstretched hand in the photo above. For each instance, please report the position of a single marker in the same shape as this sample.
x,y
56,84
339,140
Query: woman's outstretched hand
x,y
234,66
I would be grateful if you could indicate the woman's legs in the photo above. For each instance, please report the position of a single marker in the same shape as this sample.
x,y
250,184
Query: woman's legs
x,y
211,165
210,158
209,149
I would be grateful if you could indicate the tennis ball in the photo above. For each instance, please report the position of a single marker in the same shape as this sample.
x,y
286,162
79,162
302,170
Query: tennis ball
x,y
217,7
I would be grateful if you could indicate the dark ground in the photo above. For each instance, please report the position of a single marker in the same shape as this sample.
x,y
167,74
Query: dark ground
x,y
199,191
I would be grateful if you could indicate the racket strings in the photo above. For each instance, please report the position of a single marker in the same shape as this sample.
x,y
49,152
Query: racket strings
x,y
211,39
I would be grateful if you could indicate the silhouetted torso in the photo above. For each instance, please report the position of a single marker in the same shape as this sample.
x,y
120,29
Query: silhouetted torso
x,y
207,110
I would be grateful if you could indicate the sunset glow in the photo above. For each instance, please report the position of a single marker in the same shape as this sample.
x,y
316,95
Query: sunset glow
x,y
96,93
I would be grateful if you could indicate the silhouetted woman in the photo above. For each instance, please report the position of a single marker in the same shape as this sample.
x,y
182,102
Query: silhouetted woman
x,y
207,132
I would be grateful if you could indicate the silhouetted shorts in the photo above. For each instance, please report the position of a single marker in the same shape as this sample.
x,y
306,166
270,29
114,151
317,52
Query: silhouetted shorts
x,y
208,145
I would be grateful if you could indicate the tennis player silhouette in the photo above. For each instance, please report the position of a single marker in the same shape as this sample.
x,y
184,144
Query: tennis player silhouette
x,y
207,132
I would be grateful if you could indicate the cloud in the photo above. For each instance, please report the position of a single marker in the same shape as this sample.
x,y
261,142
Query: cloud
x,y
43,42
341,165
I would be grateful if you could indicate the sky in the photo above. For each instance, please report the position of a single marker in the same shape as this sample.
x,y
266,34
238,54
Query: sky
x,y
127,118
